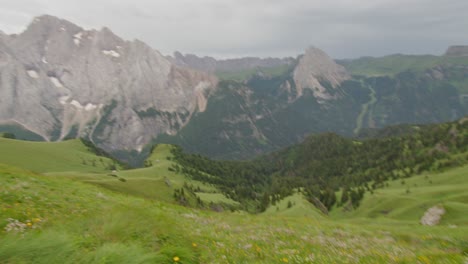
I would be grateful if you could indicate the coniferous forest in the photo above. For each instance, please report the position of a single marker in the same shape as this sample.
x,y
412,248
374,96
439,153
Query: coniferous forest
x,y
327,163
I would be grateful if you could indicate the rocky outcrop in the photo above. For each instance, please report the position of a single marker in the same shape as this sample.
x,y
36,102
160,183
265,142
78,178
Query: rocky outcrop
x,y
318,72
432,216
457,51
210,64
57,79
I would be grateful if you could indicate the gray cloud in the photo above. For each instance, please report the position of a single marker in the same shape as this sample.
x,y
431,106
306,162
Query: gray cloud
x,y
229,28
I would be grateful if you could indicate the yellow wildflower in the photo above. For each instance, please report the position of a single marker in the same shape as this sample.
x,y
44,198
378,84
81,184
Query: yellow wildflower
x,y
285,260
29,224
176,259
194,244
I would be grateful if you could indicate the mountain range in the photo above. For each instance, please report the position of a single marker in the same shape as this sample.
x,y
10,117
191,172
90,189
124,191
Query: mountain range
x,y
59,81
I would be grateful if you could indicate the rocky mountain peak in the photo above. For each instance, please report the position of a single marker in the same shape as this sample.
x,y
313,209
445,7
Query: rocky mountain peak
x,y
47,24
318,72
107,36
3,37
59,80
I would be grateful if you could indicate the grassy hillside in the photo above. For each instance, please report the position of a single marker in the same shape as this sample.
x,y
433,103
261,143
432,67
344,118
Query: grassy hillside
x,y
56,220
51,220
326,163
72,159
71,155
156,181
404,201
295,205
262,113
408,199
79,213
20,132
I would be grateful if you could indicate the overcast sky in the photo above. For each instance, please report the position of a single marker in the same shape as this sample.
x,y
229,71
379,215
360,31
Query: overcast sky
x,y
276,28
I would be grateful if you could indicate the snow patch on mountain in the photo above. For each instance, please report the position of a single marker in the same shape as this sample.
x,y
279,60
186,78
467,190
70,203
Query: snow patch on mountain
x,y
56,82
77,38
81,88
76,104
111,53
33,74
90,107
63,100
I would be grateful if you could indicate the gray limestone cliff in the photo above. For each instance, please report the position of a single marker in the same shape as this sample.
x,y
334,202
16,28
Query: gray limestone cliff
x,y
318,72
57,80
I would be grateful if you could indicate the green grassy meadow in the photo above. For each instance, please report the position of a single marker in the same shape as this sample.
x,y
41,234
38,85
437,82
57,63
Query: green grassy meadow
x,y
74,213
295,205
155,182
408,199
42,157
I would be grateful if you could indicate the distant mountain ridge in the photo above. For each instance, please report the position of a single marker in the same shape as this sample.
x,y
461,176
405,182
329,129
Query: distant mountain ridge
x,y
265,112
210,64
61,81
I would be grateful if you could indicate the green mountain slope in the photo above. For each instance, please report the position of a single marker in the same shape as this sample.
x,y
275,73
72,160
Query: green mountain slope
x,y
393,64
56,220
157,181
79,215
295,205
244,121
20,132
71,155
408,199
262,113
324,164
74,160
320,166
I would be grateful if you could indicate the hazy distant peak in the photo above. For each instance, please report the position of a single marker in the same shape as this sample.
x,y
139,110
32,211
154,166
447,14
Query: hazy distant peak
x,y
47,19
314,68
177,54
52,23
459,50
108,39
210,64
313,49
180,55
317,54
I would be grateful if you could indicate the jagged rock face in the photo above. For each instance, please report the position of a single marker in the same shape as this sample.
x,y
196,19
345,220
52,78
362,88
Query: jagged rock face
x,y
209,64
56,77
457,51
315,70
